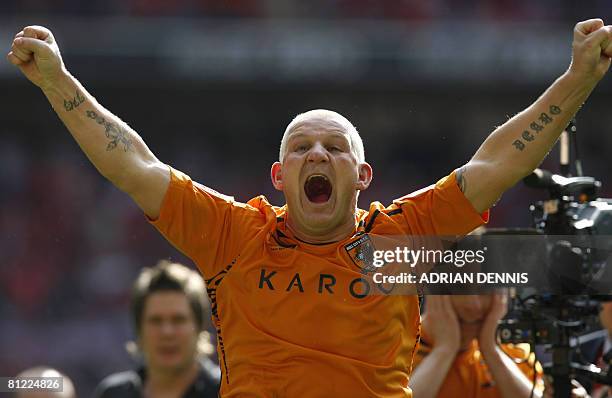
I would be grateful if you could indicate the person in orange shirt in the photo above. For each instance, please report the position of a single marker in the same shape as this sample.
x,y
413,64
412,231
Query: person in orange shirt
x,y
293,314
458,352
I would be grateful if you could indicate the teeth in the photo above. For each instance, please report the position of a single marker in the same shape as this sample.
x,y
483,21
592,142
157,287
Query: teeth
x,y
315,175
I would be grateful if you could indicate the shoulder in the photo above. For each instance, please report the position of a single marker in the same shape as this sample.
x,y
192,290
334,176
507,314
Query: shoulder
x,y
207,383
382,218
210,371
260,207
123,384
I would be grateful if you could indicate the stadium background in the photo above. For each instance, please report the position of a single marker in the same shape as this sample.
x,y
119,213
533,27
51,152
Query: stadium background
x,y
210,85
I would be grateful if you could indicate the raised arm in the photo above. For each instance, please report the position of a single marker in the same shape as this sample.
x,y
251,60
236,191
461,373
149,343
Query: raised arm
x,y
111,145
513,150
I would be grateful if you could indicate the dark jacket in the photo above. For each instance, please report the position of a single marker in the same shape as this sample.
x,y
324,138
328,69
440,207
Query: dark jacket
x,y
130,384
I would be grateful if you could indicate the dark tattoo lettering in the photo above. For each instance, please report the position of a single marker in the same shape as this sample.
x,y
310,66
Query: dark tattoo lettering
x,y
115,133
461,181
527,136
518,144
536,127
70,104
545,119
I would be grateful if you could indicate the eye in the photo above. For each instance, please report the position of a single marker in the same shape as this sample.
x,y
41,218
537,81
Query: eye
x,y
334,149
301,148
179,320
154,321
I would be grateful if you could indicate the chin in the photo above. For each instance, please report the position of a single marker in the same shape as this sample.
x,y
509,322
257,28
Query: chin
x,y
171,363
470,331
319,214
320,222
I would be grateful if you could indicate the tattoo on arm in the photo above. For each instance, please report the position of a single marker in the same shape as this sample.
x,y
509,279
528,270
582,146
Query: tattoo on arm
x,y
461,181
70,104
114,132
535,127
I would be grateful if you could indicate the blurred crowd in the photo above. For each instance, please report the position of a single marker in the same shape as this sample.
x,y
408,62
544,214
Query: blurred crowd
x,y
523,10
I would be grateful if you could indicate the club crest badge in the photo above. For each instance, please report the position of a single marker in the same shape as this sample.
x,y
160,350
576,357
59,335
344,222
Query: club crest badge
x,y
361,252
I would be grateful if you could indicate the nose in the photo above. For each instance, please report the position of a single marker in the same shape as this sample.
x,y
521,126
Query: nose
x,y
474,308
317,153
167,328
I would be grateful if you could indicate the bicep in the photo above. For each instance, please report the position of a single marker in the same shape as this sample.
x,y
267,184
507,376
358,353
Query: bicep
x,y
148,186
480,184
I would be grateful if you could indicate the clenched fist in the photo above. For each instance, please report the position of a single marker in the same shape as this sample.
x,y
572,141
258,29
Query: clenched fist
x,y
591,49
35,53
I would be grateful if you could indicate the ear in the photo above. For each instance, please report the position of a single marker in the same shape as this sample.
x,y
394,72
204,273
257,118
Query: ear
x,y
277,176
365,176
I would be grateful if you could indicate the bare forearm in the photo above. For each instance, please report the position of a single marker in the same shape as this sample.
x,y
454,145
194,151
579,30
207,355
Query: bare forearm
x,y
517,147
111,145
511,382
428,377
520,145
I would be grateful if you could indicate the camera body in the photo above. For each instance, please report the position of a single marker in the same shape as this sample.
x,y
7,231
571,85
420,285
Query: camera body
x,y
573,267
577,226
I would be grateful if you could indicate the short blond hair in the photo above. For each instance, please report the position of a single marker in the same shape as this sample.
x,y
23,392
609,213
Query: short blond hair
x,y
329,116
68,390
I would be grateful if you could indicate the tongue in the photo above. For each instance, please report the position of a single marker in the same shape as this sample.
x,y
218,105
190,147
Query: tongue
x,y
317,189
319,198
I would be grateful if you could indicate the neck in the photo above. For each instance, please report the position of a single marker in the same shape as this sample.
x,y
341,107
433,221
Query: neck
x,y
466,344
164,383
314,236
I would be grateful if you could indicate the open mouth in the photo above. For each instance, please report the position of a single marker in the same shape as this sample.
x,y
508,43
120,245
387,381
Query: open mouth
x,y
168,351
318,188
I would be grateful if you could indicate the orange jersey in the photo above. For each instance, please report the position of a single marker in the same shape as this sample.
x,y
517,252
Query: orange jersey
x,y
470,375
290,317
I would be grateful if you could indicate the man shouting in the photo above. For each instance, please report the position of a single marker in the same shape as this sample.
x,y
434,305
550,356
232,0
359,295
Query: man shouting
x,y
293,315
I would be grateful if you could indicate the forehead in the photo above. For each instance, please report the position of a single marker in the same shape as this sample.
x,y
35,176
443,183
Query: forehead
x,y
317,127
165,302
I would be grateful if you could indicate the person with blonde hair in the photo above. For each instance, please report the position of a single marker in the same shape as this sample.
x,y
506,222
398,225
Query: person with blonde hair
x,y
67,390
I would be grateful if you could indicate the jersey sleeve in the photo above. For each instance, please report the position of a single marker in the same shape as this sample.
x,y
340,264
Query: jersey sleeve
x,y
440,209
203,224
